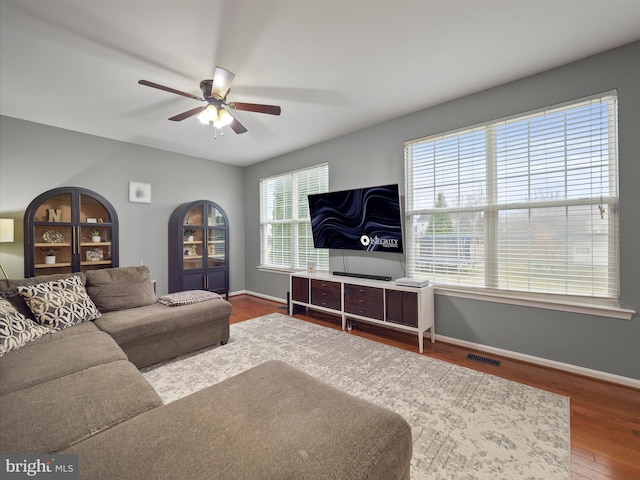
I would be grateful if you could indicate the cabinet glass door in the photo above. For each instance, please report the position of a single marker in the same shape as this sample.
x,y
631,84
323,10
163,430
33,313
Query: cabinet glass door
x,y
216,247
53,235
193,241
95,234
215,218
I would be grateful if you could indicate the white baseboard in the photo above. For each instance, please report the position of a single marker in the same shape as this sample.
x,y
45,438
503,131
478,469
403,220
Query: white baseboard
x,y
259,295
567,367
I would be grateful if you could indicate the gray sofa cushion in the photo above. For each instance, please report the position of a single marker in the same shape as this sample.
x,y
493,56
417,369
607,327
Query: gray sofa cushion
x,y
54,415
55,356
270,422
126,326
120,288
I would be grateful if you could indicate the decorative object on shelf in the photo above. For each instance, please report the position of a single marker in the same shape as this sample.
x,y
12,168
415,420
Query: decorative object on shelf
x,y
51,236
190,251
189,233
139,192
95,235
94,255
92,220
49,255
55,214
6,236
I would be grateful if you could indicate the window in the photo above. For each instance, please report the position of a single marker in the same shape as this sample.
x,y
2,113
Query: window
x,y
525,204
285,227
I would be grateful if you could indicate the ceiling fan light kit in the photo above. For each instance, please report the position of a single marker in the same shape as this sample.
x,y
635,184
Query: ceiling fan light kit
x,y
216,113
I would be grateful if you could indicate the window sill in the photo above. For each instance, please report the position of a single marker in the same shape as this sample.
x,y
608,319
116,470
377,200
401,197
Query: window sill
x,y
549,304
283,270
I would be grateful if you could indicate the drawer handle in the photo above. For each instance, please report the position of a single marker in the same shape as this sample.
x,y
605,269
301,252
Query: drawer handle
x,y
361,290
361,312
324,294
324,285
360,300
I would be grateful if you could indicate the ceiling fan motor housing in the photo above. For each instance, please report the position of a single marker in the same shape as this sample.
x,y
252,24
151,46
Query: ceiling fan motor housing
x,y
205,87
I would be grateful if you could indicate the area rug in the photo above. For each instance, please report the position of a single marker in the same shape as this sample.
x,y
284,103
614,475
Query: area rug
x,y
465,424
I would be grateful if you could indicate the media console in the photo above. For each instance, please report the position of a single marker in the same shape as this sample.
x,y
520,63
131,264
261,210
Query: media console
x,y
375,301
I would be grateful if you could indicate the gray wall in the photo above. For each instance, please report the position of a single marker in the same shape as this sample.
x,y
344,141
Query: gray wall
x,y
35,158
375,156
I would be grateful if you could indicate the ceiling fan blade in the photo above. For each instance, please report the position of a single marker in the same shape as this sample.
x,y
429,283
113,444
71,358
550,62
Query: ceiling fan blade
x,y
168,89
187,114
221,82
256,107
237,127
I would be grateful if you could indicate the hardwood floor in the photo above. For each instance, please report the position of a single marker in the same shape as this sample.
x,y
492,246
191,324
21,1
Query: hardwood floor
x,y
605,418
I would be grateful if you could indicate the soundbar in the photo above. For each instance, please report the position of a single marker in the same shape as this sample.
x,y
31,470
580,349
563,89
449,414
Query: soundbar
x,y
363,275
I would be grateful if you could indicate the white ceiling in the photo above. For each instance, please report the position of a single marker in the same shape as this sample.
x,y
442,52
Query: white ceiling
x,y
333,66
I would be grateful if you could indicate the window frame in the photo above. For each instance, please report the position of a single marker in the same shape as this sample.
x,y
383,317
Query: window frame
x,y
295,221
490,290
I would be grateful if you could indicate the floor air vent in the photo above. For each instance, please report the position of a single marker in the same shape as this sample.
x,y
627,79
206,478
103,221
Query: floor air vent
x,y
481,359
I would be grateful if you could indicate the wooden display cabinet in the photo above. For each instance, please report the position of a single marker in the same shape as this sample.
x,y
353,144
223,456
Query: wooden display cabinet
x,y
199,248
59,228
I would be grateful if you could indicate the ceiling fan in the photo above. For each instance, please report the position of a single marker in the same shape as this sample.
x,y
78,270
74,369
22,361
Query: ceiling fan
x,y
216,112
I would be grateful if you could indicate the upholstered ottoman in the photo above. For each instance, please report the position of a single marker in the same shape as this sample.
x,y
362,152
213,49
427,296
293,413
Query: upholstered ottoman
x,y
272,422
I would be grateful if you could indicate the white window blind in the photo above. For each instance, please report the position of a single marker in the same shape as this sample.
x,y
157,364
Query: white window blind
x,y
525,204
285,227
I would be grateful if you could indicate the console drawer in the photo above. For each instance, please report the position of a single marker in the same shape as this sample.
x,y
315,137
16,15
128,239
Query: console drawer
x,y
363,308
364,301
362,290
326,294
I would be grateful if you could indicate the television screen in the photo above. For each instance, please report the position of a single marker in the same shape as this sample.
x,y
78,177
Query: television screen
x,y
367,219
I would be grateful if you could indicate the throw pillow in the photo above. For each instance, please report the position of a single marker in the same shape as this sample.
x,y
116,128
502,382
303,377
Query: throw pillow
x,y
120,288
16,330
187,297
60,304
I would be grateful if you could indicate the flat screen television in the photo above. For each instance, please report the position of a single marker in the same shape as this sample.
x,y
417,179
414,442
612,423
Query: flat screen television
x,y
368,219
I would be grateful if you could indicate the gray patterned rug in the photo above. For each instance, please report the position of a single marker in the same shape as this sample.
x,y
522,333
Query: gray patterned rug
x,y
465,424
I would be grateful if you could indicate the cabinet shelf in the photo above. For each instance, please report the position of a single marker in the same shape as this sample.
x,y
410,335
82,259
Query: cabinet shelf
x,y
51,245
98,262
53,265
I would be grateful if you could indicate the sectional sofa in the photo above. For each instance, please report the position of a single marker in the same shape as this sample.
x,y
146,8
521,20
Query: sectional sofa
x,y
69,384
